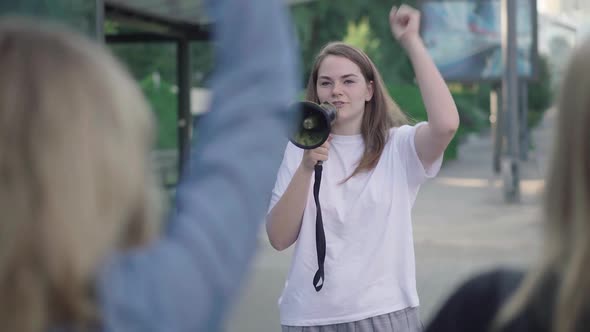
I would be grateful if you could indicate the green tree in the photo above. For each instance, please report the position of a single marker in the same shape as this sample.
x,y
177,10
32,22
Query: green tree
x,y
360,35
318,22
79,14
163,100
540,95
144,59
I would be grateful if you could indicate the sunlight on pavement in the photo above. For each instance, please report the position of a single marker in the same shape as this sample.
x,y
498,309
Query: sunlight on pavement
x,y
527,186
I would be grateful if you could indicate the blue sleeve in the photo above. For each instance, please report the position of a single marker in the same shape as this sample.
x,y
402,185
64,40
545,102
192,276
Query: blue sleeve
x,y
189,278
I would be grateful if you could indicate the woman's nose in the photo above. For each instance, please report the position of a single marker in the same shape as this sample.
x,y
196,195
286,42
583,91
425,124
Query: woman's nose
x,y
337,90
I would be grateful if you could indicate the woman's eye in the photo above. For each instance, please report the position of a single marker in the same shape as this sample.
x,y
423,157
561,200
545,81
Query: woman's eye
x,y
325,83
348,82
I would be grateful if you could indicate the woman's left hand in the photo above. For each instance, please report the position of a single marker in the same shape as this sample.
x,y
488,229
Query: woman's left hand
x,y
405,24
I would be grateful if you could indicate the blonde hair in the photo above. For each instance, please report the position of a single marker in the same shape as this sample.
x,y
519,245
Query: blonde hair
x,y
566,209
381,112
76,183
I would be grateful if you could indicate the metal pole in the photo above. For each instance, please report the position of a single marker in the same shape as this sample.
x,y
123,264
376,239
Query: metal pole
x,y
497,128
510,166
524,125
100,21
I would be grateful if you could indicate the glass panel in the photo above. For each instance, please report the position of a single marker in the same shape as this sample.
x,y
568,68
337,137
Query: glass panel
x,y
154,67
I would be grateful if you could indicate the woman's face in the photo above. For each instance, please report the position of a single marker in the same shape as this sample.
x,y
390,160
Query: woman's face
x,y
341,83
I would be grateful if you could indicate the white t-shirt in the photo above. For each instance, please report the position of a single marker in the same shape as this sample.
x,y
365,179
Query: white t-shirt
x,y
369,265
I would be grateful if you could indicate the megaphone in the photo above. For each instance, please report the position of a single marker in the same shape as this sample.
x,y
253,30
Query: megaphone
x,y
314,124
312,129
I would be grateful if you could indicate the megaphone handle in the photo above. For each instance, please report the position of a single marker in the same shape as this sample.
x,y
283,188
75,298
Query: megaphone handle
x,y
320,236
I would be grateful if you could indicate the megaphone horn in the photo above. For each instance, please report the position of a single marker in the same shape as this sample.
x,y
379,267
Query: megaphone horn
x,y
314,124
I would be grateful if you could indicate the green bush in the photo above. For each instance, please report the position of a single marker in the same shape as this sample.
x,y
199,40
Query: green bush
x,y
473,117
163,100
409,99
540,96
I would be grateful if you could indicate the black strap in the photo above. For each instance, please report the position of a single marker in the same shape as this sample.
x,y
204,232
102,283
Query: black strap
x,y
320,237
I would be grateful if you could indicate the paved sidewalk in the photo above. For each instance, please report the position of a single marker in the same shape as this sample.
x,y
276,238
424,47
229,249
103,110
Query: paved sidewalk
x,y
461,226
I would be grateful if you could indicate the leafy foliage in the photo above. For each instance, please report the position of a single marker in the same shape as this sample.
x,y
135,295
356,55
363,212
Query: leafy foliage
x,y
361,23
163,100
79,14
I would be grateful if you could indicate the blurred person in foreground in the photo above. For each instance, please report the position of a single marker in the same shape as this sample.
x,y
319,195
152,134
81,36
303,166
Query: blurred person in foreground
x,y
80,245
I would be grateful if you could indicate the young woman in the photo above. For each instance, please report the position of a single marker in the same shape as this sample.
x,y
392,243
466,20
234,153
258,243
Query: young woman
x,y
374,164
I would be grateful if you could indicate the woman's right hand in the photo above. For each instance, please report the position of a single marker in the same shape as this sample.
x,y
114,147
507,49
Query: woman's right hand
x,y
311,157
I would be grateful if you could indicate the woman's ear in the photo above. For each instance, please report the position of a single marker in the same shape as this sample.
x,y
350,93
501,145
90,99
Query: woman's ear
x,y
370,90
